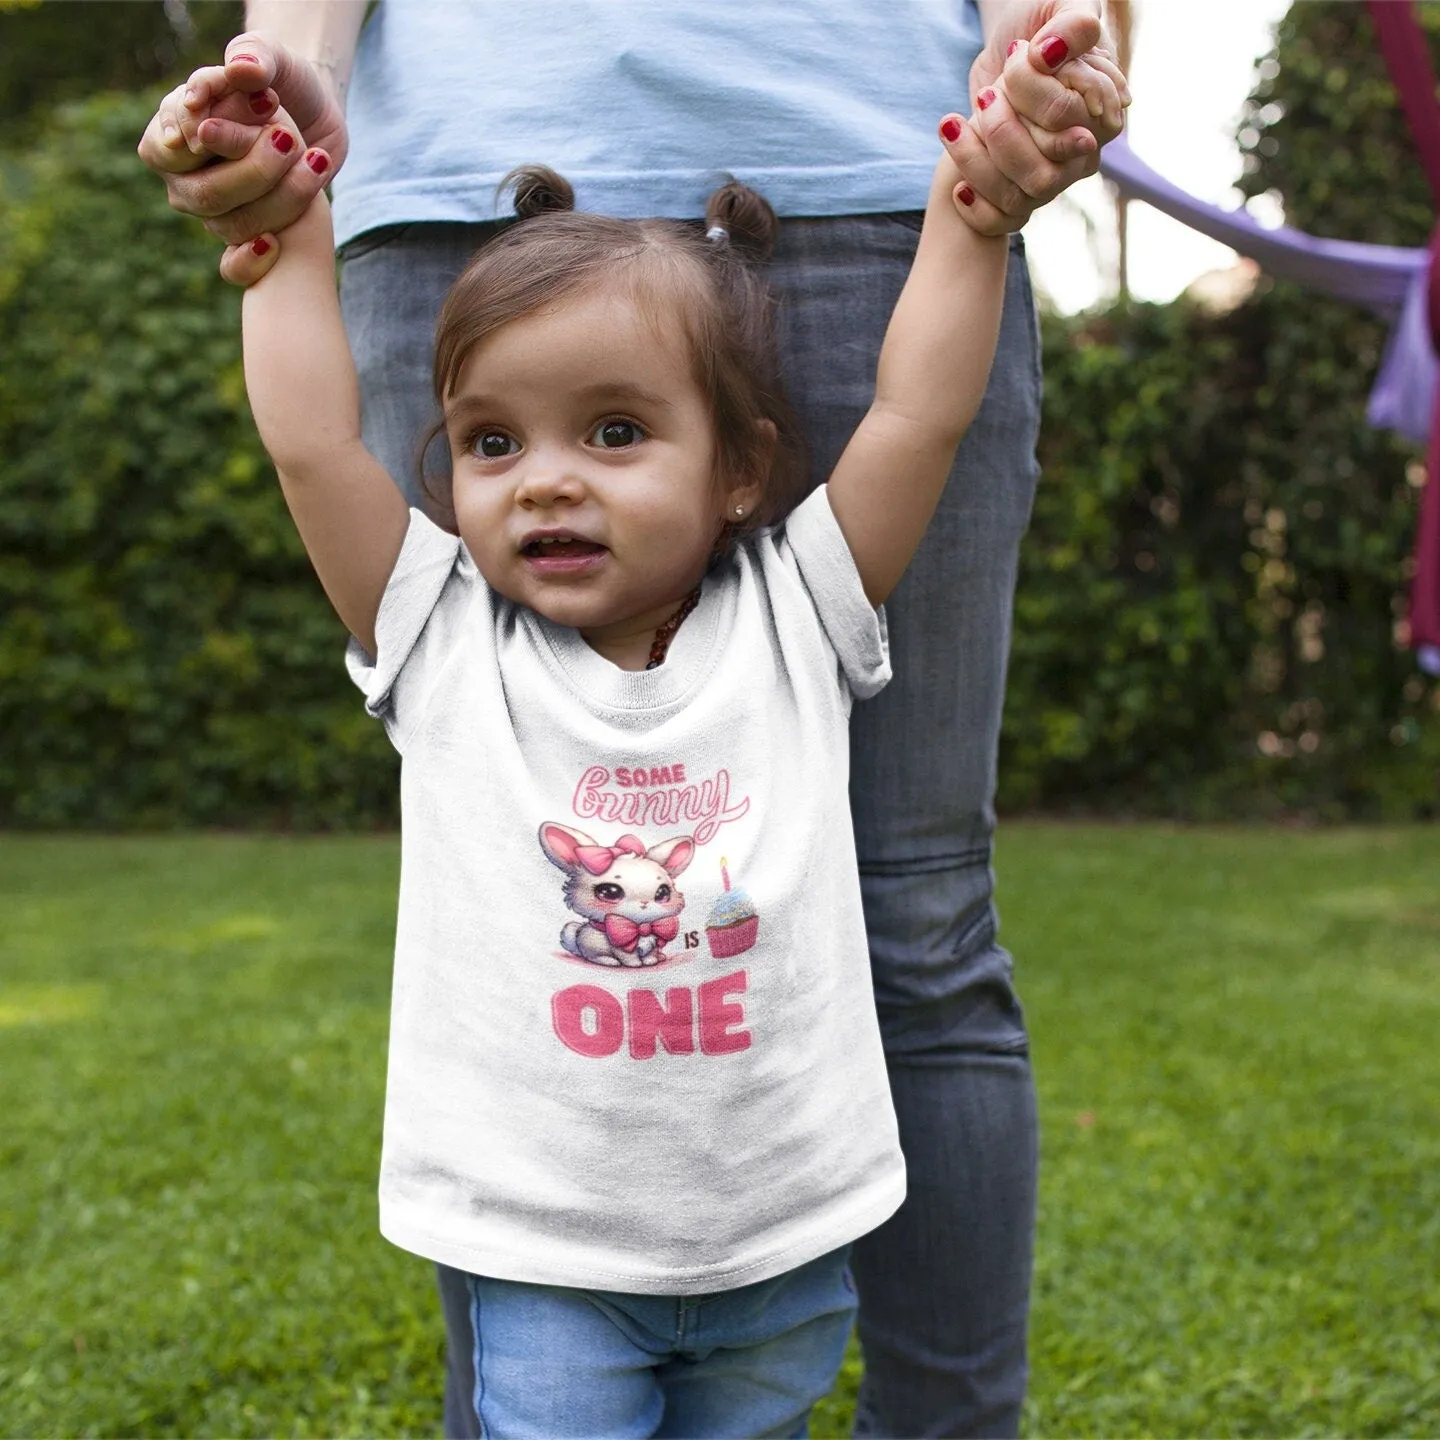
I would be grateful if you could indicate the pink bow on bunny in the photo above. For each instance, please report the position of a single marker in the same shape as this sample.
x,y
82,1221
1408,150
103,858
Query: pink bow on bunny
x,y
626,933
597,859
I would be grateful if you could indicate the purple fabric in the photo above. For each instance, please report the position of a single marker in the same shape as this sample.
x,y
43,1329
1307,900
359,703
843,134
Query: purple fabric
x,y
1405,387
1377,276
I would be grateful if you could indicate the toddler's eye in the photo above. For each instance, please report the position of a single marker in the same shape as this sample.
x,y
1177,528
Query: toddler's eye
x,y
493,445
616,434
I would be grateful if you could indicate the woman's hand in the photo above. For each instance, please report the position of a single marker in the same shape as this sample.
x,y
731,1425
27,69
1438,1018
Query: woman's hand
x,y
1047,94
229,142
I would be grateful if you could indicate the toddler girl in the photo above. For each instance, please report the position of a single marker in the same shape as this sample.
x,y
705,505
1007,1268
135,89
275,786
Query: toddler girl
x,y
636,1088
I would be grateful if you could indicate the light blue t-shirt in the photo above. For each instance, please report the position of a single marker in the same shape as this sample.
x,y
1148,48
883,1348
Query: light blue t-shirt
x,y
644,105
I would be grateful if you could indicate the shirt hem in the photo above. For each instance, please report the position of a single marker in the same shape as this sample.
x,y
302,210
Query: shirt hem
x,y
401,1229
674,195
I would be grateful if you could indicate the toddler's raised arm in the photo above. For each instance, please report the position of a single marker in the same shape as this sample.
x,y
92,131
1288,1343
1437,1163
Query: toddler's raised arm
x,y
306,403
933,369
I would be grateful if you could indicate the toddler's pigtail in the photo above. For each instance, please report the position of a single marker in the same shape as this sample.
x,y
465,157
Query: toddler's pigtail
x,y
759,435
742,220
537,189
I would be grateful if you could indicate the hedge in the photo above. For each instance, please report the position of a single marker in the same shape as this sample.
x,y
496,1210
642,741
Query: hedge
x,y
1211,595
166,657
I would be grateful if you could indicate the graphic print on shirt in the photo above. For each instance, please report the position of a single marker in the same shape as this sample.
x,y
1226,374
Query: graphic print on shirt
x,y
625,894
630,910
732,924
636,796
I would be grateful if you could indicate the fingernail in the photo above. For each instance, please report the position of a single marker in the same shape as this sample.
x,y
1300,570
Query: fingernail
x,y
317,162
191,94
260,246
253,59
282,140
169,133
1054,51
951,130
263,103
1011,48
964,194
985,98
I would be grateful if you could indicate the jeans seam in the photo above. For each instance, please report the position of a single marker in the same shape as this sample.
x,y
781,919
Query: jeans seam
x,y
474,1286
928,864
982,932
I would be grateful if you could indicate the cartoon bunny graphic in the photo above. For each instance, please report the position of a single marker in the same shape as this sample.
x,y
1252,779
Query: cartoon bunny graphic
x,y
625,893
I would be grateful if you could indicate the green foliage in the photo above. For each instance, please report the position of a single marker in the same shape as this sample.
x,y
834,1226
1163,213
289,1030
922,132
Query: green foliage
x,y
1238,1082
1324,130
1207,607
166,656
57,50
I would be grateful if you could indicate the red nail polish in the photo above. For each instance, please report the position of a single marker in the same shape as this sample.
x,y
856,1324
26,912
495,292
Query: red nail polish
x,y
985,98
260,246
1054,51
263,103
951,130
253,59
964,194
1011,48
282,140
317,162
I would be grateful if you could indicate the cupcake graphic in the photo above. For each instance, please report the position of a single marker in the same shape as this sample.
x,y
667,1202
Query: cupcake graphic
x,y
732,924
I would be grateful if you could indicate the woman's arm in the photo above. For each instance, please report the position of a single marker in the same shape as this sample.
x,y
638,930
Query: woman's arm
x,y
306,403
932,374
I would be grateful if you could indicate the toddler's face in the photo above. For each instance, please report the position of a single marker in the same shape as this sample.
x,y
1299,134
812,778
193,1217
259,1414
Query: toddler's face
x,y
583,457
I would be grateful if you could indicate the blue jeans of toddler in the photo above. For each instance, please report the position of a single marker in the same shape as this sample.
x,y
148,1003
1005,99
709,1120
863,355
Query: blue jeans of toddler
x,y
551,1363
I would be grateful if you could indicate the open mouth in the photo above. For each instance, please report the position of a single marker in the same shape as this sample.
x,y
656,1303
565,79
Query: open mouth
x,y
560,547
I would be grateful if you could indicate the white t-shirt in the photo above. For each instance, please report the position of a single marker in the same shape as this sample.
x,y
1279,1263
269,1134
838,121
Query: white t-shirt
x,y
633,1044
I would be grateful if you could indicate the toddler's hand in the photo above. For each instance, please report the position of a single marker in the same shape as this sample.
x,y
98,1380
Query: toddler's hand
x,y
207,116
308,240
245,264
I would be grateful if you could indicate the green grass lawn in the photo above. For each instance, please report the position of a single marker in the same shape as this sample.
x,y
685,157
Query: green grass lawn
x,y
1236,1036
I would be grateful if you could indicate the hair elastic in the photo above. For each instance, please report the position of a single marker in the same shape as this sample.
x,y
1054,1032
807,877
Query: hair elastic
x,y
718,235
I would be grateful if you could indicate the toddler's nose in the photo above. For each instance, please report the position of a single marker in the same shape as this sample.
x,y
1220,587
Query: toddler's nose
x,y
548,480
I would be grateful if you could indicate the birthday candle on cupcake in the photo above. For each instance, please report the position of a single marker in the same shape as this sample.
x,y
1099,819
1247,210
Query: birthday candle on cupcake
x,y
732,924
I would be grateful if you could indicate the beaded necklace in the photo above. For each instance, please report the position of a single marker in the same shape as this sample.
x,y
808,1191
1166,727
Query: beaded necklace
x,y
665,633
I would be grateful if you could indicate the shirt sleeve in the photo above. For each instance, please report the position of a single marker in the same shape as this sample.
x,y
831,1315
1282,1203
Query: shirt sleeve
x,y
415,629
854,627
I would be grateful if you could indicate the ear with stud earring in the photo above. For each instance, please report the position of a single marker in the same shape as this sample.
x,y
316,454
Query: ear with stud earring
x,y
739,510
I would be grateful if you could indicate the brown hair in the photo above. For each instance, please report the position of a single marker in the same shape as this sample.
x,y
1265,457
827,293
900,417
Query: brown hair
x,y
708,283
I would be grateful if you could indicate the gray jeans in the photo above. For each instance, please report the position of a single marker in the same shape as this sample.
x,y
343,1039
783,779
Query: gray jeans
x,y
944,1285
